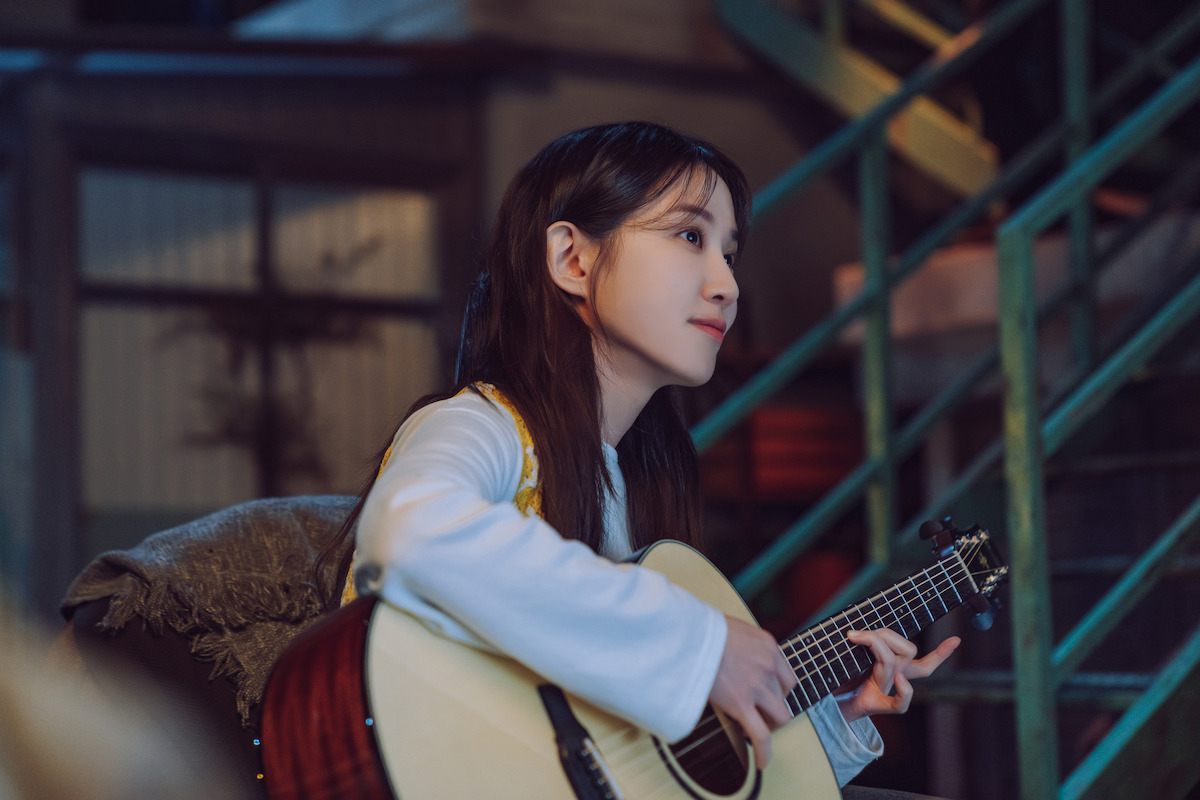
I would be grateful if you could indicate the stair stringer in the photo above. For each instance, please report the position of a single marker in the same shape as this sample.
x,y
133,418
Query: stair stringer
x,y
1150,752
926,134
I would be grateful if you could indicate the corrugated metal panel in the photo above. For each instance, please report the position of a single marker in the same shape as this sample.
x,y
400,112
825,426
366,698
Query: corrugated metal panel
x,y
172,230
143,394
168,411
171,396
354,395
378,243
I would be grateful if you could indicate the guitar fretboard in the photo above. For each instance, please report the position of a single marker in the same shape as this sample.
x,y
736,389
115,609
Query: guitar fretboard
x,y
824,659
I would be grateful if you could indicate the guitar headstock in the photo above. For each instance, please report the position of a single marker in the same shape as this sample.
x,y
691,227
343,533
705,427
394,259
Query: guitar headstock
x,y
984,564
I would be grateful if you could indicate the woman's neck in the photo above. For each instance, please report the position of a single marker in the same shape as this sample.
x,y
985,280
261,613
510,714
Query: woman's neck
x,y
620,404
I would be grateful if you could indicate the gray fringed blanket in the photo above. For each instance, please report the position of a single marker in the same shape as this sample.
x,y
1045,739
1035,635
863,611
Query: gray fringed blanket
x,y
237,583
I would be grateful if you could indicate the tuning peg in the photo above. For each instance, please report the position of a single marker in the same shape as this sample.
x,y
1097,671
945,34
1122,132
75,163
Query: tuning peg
x,y
985,611
942,533
983,620
930,528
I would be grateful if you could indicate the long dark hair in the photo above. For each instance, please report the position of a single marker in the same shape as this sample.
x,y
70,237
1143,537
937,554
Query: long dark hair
x,y
523,334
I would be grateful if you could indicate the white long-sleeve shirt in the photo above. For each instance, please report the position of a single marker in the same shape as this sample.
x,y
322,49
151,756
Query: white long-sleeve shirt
x,y
442,539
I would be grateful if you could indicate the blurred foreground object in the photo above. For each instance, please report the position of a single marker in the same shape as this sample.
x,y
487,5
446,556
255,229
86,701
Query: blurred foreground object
x,y
61,736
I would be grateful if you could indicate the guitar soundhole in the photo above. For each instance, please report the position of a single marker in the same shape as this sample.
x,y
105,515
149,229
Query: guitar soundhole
x,y
713,756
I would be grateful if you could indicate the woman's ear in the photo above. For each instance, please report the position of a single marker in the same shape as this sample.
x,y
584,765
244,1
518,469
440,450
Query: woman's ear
x,y
570,257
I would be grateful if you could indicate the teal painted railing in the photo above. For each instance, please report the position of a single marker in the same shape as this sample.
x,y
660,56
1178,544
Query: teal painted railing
x,y
863,139
1044,675
1029,440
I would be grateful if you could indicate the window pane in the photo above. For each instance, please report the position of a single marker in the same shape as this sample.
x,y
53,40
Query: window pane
x,y
155,387
166,230
367,242
171,408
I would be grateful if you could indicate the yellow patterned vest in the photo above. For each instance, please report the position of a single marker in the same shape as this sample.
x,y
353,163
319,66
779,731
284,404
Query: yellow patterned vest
x,y
528,498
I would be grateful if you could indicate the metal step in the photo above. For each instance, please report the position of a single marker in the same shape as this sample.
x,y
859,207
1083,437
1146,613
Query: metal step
x,y
926,134
1150,752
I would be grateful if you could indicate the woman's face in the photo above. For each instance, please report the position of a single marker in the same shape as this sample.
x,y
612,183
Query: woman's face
x,y
667,297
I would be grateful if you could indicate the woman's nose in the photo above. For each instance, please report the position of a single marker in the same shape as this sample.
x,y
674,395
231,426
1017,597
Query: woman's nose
x,y
722,287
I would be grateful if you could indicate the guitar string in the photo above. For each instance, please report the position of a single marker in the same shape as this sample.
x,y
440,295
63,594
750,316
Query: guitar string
x,y
711,726
647,760
904,597
837,643
708,721
959,567
830,640
817,659
880,605
798,660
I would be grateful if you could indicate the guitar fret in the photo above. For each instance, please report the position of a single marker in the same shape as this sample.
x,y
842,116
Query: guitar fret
x,y
921,614
882,618
902,611
811,692
878,616
931,593
824,659
957,596
826,671
849,656
895,616
934,591
824,688
862,624
836,660
921,597
914,611
794,704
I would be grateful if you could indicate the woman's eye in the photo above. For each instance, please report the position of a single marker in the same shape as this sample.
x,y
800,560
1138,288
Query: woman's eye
x,y
692,237
730,258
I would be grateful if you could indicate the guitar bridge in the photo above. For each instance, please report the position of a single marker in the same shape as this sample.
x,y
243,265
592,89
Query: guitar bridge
x,y
582,763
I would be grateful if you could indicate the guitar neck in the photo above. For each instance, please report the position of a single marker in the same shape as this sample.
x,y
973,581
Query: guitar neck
x,y
824,659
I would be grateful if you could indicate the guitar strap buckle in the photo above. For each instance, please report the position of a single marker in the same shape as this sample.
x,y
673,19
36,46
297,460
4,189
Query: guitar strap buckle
x,y
581,760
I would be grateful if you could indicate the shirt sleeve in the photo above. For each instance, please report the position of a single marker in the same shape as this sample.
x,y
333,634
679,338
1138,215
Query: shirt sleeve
x,y
441,539
850,746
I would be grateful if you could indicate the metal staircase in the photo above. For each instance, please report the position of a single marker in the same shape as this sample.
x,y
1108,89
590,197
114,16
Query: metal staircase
x,y
934,139
1147,752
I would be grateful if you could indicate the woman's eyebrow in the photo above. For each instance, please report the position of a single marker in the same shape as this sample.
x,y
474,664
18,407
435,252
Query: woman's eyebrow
x,y
703,213
693,211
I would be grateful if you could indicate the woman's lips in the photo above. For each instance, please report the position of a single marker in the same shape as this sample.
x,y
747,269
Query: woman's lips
x,y
713,327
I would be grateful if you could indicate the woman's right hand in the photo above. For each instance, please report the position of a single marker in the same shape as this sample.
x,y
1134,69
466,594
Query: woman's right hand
x,y
751,685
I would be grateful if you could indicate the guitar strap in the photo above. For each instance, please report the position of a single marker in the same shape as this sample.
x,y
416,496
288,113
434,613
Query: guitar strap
x,y
581,761
528,498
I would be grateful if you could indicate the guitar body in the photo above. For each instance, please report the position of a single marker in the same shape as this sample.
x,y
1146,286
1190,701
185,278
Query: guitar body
x,y
451,721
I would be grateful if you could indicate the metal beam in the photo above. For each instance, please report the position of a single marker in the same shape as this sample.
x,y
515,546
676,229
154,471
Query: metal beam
x,y
57,551
950,61
1137,581
1138,129
926,134
1030,575
1151,751
877,346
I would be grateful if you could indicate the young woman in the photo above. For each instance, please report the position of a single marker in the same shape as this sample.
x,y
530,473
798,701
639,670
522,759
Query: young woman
x,y
503,510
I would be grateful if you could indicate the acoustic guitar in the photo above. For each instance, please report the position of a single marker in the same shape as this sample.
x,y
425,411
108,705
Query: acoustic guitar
x,y
370,704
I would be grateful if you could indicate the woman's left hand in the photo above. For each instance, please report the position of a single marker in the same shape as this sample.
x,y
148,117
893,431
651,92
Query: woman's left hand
x,y
895,665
